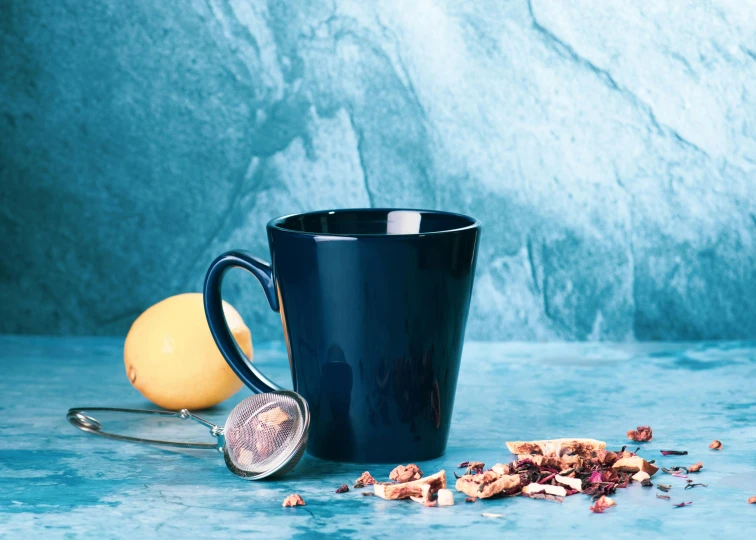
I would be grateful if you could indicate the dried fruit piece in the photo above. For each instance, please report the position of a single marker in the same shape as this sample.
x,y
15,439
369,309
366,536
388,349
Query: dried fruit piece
x,y
294,500
696,467
343,489
573,483
641,434
601,504
752,500
674,452
635,464
475,467
406,473
424,488
640,476
365,480
487,484
445,497
532,488
647,483
500,468
463,465
663,487
557,447
680,505
716,445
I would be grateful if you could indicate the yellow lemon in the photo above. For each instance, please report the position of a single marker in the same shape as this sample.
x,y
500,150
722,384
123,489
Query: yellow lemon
x,y
171,357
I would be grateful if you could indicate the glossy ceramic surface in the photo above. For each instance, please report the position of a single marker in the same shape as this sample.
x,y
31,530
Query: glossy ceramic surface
x,y
374,305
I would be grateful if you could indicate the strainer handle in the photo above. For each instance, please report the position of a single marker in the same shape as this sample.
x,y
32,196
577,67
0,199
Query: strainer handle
x,y
217,320
78,418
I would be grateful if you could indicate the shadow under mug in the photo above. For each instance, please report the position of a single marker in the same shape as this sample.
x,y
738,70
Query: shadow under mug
x,y
374,305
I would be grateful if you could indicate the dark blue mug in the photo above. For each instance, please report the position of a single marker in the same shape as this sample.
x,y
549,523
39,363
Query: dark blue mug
x,y
374,305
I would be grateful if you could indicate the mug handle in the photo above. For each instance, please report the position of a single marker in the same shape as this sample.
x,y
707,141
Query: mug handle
x,y
217,320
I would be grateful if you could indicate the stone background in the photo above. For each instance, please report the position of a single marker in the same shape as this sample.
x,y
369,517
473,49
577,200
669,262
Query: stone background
x,y
609,147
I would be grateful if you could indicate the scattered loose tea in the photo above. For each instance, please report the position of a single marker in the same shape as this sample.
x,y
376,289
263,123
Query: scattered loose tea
x,y
602,504
406,474
674,470
343,489
674,452
683,504
752,500
490,515
692,485
365,480
463,465
368,494
641,434
663,487
662,496
473,499
293,500
716,445
679,475
695,467
647,483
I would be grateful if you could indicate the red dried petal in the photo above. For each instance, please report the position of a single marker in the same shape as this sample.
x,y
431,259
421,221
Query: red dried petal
x,y
601,504
343,489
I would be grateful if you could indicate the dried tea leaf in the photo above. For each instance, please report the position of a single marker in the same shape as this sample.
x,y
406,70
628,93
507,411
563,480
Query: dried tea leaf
x,y
406,473
601,504
641,434
666,497
647,483
674,470
692,485
716,445
663,487
463,465
680,505
474,499
365,480
343,489
368,494
674,452
294,500
696,467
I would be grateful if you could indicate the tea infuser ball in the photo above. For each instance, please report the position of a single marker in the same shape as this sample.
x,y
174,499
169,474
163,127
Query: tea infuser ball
x,y
265,435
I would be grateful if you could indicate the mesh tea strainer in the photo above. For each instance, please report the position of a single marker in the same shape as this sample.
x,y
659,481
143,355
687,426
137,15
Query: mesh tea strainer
x,y
265,435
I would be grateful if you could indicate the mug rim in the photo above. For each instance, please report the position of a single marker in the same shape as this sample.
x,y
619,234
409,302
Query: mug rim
x,y
275,223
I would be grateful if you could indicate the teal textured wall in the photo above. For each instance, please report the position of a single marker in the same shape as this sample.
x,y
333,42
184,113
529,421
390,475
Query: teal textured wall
x,y
608,147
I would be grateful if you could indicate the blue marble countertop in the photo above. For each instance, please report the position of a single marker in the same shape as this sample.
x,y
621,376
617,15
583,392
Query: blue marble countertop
x,y
57,481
